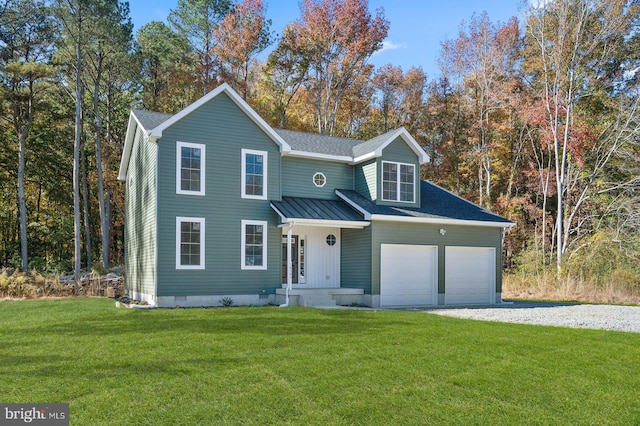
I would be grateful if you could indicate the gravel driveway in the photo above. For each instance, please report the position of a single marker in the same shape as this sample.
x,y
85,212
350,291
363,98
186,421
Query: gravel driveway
x,y
604,317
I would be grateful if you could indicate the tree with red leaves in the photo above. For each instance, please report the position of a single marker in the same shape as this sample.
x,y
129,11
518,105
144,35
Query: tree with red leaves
x,y
335,38
242,34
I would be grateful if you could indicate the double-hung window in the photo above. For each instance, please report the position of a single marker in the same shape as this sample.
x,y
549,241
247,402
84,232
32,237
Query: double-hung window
x,y
190,162
189,243
254,174
254,244
398,182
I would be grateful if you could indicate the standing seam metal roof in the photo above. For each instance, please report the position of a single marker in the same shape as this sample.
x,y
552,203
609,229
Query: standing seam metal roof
x,y
312,208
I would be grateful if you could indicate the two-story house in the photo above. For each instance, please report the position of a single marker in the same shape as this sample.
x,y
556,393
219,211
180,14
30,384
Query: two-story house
x,y
219,204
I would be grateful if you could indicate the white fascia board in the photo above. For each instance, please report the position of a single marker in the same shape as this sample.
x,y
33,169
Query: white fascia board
x,y
317,156
423,157
365,157
413,219
128,145
244,106
357,207
422,154
406,136
326,223
283,218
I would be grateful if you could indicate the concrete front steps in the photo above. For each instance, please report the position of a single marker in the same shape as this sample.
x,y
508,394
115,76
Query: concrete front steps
x,y
320,297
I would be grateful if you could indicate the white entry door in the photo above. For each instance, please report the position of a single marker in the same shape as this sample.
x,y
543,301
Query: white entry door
x,y
408,275
470,276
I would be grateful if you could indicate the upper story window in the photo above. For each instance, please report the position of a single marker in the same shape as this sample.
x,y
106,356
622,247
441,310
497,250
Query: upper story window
x,y
189,243
398,182
254,174
190,162
319,179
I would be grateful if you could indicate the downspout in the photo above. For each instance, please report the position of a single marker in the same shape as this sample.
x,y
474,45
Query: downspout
x,y
289,265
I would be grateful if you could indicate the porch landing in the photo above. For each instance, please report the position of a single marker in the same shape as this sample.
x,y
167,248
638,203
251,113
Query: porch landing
x,y
320,297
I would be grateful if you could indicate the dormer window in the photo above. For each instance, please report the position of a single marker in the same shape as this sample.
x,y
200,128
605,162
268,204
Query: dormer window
x,y
398,182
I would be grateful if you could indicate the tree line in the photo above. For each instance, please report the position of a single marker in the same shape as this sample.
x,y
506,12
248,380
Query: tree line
x,y
536,120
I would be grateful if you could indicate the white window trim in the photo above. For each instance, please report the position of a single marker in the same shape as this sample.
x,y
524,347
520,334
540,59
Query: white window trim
x,y
397,200
179,146
264,244
324,179
244,172
179,221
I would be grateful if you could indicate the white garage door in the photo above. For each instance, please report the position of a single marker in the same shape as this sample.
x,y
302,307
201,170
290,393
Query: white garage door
x,y
408,275
469,275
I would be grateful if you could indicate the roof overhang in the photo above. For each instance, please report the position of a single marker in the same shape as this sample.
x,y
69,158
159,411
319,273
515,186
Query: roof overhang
x,y
423,157
156,133
318,156
241,103
132,125
324,223
440,221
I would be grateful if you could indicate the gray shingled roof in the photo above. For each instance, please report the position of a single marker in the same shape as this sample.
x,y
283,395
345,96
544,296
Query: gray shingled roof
x,y
149,120
436,203
321,144
299,141
312,208
371,145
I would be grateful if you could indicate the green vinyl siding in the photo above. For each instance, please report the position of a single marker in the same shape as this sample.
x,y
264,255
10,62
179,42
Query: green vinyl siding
x,y
429,234
355,259
399,152
366,179
297,177
225,130
140,213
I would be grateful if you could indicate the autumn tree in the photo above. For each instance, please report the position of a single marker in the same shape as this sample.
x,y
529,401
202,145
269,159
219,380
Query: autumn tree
x,y
195,20
242,34
570,47
282,76
166,63
336,38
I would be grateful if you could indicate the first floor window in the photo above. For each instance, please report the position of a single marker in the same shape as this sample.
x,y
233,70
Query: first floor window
x,y
254,244
189,243
398,182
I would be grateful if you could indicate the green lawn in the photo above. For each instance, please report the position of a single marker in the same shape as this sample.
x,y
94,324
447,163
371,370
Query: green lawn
x,y
307,366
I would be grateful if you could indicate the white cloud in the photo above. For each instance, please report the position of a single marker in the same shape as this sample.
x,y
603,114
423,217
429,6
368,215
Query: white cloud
x,y
389,45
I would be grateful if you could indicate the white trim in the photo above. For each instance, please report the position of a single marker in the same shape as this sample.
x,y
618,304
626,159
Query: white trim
x,y
324,223
243,186
423,157
179,221
202,148
324,179
398,183
318,156
244,106
366,157
414,219
353,204
243,236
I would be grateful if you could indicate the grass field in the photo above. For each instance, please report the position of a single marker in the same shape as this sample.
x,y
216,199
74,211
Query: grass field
x,y
307,366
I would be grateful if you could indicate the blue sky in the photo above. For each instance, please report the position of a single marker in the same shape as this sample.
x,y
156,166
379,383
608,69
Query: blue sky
x,y
417,27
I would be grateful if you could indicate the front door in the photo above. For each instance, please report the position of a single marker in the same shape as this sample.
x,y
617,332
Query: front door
x,y
294,259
